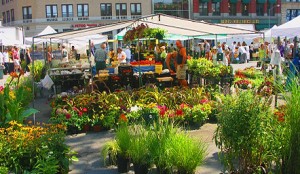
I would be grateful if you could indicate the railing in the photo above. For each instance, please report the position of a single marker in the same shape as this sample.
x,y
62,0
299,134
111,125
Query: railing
x,y
70,19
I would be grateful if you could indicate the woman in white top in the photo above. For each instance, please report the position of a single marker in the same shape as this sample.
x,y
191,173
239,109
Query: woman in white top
x,y
65,55
121,56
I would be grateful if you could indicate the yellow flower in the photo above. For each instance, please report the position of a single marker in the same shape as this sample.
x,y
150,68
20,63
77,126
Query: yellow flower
x,y
12,95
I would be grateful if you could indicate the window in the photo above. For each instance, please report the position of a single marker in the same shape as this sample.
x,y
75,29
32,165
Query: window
x,y
67,10
245,9
121,9
82,10
271,9
292,13
216,8
259,9
106,9
203,9
232,9
135,9
51,11
4,17
12,14
3,2
27,13
8,16
7,1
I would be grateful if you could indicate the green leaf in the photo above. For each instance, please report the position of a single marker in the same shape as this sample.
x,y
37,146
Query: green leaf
x,y
28,112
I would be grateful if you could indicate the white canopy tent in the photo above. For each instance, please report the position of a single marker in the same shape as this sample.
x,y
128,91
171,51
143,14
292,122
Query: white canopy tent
x,y
47,30
289,29
11,36
173,25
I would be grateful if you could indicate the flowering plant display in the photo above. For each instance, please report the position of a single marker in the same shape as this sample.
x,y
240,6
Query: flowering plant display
x,y
34,148
15,97
243,83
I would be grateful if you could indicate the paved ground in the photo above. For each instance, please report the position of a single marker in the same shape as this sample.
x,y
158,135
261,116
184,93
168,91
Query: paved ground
x,y
89,145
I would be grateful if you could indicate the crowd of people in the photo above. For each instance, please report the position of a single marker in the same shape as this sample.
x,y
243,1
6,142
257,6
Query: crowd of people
x,y
15,56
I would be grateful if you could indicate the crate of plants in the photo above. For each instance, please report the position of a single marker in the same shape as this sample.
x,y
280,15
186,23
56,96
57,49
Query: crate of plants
x,y
125,70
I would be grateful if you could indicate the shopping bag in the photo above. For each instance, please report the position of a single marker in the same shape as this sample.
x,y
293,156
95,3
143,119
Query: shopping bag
x,y
47,82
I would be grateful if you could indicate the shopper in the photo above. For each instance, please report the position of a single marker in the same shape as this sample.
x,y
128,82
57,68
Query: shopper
x,y
100,58
181,61
121,56
171,62
6,61
28,59
65,55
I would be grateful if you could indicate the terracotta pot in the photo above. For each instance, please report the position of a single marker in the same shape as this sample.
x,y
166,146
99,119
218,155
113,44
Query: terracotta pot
x,y
96,128
85,128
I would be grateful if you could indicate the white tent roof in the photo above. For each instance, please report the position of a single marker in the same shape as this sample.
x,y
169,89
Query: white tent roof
x,y
288,29
173,25
47,30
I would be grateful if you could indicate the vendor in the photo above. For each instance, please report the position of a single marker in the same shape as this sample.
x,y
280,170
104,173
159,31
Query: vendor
x,y
171,61
121,56
73,53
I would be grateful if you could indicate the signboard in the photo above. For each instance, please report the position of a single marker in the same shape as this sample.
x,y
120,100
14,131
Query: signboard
x,y
239,21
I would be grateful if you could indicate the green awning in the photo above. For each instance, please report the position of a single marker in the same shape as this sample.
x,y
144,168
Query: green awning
x,y
246,1
261,1
272,1
216,0
233,1
204,0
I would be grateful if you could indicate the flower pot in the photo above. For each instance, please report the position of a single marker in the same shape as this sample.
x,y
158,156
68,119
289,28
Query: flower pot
x,y
123,164
140,168
163,170
85,128
72,130
96,128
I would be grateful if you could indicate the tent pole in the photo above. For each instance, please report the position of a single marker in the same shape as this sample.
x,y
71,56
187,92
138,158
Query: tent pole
x,y
33,84
44,52
91,68
140,75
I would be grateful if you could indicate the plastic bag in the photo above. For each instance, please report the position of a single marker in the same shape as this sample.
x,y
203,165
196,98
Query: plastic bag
x,y
47,82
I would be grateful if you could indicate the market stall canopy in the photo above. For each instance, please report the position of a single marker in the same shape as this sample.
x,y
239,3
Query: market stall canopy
x,y
11,36
173,25
47,30
288,29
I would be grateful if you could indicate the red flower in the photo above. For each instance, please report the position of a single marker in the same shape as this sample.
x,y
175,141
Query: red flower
x,y
203,101
68,116
179,112
123,118
171,115
84,110
162,110
79,114
75,109
183,105
1,88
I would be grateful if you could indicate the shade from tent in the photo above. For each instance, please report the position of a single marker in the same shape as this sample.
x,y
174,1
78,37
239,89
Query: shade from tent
x,y
173,25
288,29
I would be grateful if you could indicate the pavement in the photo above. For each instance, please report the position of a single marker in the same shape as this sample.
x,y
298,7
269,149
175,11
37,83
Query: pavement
x,y
89,145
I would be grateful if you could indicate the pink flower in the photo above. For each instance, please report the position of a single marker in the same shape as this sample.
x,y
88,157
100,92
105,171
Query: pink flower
x,y
84,110
162,110
1,88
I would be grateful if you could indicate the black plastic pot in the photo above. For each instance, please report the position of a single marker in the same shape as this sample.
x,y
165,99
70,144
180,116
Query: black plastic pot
x,y
123,164
140,168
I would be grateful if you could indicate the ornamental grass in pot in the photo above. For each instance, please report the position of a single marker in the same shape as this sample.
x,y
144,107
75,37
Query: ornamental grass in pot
x,y
123,139
139,150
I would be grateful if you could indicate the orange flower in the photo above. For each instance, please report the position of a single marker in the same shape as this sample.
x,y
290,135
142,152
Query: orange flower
x,y
13,75
22,72
123,118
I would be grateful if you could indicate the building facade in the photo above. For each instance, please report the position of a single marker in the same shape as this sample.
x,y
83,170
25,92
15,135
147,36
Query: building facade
x,y
290,9
262,13
35,15
180,8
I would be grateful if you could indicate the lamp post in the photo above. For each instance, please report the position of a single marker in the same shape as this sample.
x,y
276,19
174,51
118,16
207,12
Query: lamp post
x,y
278,5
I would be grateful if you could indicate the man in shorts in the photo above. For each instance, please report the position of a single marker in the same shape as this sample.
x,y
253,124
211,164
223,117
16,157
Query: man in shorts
x,y
181,61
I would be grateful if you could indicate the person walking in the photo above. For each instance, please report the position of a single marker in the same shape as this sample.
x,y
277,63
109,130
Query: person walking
x,y
6,61
27,59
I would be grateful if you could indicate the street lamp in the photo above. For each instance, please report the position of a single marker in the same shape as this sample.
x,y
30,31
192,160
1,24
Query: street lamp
x,y
278,5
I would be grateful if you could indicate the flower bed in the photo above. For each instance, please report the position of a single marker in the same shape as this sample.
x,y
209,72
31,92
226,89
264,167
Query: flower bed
x,y
32,148
184,106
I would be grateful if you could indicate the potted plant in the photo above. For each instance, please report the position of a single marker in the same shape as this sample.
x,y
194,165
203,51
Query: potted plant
x,y
110,150
123,139
139,150
186,153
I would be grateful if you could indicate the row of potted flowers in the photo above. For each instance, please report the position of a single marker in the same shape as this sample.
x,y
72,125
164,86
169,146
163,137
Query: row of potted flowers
x,y
184,106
